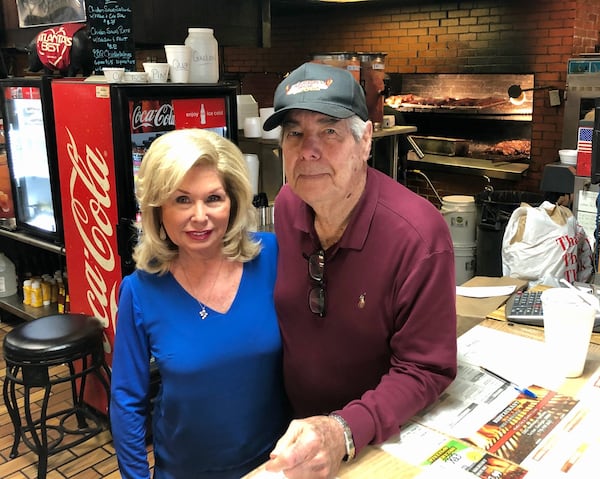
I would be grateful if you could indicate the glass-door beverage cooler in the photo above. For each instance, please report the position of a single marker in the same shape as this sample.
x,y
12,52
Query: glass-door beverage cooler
x,y
31,153
103,131
7,209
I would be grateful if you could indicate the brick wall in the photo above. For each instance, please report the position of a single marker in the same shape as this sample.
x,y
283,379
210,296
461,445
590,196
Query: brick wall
x,y
585,36
440,37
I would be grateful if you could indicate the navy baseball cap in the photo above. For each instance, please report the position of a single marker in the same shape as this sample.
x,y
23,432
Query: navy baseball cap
x,y
320,88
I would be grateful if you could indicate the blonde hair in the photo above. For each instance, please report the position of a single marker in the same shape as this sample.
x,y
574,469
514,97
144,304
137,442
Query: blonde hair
x,y
163,168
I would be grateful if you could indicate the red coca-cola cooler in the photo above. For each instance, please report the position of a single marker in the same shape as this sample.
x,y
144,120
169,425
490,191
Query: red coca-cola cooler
x,y
102,132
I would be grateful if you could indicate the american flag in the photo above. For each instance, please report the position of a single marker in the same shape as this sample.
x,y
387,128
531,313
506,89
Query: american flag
x,y
584,151
584,141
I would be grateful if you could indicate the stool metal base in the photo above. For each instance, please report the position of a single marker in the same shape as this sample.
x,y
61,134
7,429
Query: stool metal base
x,y
51,432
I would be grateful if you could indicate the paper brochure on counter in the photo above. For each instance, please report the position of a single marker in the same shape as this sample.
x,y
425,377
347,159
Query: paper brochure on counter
x,y
484,426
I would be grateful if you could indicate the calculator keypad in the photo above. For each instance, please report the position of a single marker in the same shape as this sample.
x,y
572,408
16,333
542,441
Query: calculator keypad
x,y
526,305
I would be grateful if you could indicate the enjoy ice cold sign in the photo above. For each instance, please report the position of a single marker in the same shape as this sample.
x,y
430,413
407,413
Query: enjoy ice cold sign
x,y
111,30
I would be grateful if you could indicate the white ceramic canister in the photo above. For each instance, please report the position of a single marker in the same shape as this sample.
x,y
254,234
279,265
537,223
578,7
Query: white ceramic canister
x,y
205,55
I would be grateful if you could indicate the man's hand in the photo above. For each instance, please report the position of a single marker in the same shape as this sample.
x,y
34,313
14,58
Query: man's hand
x,y
311,448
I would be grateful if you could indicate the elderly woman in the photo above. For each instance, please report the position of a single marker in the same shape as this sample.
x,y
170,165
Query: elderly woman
x,y
201,304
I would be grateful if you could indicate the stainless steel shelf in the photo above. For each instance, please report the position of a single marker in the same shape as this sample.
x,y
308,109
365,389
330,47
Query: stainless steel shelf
x,y
14,305
473,166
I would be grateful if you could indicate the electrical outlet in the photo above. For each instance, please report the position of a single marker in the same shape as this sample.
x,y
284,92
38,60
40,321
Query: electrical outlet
x,y
554,96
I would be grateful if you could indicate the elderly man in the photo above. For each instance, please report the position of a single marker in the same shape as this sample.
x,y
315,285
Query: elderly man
x,y
365,290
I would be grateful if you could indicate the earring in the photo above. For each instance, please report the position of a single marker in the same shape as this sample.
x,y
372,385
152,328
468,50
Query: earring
x,y
162,234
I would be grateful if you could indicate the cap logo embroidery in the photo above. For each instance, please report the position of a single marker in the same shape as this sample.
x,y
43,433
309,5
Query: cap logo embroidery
x,y
308,85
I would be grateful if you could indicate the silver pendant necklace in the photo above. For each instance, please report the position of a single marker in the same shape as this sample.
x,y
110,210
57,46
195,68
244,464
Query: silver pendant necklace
x,y
203,313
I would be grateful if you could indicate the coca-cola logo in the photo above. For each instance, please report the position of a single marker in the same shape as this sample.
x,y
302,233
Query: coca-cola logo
x,y
161,117
89,188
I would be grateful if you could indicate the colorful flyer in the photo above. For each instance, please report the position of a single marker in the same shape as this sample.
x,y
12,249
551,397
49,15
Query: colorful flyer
x,y
420,445
519,427
476,461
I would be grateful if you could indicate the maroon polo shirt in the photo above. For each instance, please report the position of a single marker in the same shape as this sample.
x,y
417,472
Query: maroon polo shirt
x,y
387,345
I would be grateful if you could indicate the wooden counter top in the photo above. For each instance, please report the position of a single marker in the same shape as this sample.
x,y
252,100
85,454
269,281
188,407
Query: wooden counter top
x,y
374,462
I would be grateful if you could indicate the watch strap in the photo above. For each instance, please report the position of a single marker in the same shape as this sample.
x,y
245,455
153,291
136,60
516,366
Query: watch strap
x,y
348,439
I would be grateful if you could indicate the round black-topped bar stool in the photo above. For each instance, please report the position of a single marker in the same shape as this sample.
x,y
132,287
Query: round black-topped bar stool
x,y
44,353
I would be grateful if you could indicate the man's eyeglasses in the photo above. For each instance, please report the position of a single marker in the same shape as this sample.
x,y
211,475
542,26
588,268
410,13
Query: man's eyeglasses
x,y
316,295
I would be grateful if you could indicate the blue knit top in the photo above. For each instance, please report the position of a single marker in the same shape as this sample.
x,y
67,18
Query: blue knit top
x,y
220,406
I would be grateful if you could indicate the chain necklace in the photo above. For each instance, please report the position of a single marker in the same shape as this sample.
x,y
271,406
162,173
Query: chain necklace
x,y
203,313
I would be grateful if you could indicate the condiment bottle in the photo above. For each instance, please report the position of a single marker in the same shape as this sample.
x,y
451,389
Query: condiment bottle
x,y
27,292
53,290
46,290
36,294
67,304
61,296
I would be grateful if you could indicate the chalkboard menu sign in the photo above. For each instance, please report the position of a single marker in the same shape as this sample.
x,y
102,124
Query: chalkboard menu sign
x,y
111,30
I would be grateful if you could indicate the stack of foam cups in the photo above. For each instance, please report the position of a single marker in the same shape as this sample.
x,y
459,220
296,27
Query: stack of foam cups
x,y
460,213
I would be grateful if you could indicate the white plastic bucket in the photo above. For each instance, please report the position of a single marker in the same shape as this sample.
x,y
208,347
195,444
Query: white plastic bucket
x,y
464,262
460,212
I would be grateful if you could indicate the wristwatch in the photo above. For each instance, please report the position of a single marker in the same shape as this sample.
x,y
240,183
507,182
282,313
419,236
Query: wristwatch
x,y
348,439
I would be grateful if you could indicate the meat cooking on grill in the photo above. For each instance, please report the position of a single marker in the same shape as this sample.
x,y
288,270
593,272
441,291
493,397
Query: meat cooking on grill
x,y
397,101
510,148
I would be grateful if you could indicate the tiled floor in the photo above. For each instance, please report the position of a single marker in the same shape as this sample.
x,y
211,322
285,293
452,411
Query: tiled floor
x,y
92,459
